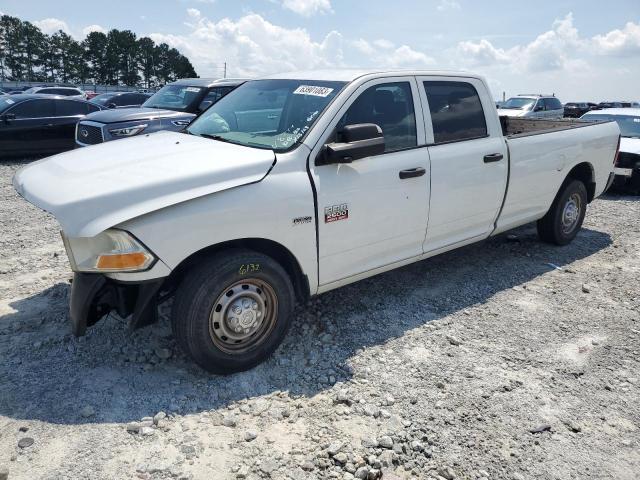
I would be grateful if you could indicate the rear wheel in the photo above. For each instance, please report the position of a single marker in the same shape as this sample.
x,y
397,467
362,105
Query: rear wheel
x,y
564,219
232,311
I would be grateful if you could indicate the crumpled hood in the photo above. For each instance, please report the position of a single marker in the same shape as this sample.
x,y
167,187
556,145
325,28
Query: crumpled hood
x,y
511,112
630,145
132,114
91,189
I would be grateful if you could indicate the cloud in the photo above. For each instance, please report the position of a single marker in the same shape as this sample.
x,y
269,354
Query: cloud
x,y
193,12
308,8
555,49
445,5
93,28
253,46
52,25
561,48
625,42
482,53
383,53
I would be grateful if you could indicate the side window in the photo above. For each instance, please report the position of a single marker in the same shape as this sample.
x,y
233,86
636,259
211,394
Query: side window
x,y
70,108
541,106
390,106
456,111
216,94
33,109
553,104
122,100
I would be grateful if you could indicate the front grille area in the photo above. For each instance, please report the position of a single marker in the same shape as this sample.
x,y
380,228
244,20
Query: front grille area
x,y
628,160
89,134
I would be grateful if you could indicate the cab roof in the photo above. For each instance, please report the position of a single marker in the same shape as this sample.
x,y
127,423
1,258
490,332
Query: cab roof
x,y
349,75
209,82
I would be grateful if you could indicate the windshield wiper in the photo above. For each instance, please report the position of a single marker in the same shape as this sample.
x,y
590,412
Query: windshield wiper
x,y
214,137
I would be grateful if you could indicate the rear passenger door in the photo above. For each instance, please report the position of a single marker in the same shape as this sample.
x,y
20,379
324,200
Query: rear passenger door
x,y
468,161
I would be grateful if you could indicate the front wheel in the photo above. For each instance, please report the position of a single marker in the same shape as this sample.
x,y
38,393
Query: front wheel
x,y
564,219
232,311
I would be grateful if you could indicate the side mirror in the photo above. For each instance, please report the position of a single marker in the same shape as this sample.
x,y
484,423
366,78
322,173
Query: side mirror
x,y
204,105
358,141
111,105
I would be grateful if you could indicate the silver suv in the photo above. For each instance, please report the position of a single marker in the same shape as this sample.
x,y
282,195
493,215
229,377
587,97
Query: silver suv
x,y
532,106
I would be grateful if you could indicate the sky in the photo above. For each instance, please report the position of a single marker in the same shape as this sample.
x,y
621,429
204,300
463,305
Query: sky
x,y
581,50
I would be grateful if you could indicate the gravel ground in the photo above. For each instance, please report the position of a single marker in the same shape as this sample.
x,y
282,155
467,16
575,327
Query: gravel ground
x,y
509,359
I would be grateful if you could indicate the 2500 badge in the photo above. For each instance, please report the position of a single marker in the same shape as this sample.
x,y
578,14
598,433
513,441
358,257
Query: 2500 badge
x,y
336,212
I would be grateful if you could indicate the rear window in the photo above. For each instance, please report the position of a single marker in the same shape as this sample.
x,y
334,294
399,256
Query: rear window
x,y
456,111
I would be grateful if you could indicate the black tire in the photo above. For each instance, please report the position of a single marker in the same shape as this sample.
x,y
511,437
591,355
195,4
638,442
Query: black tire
x,y
559,225
203,306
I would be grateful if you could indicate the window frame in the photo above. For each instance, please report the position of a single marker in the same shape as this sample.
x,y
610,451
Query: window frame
x,y
32,100
474,83
330,129
59,101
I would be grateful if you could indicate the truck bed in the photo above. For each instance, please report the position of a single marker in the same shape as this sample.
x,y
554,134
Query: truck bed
x,y
513,127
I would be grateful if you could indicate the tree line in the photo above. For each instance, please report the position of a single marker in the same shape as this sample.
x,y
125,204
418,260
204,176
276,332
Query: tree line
x,y
115,58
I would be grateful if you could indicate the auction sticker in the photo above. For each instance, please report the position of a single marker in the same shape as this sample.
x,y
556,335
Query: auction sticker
x,y
312,90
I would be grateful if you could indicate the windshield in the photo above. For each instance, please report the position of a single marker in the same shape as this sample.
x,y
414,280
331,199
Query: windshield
x,y
271,114
519,103
176,97
629,125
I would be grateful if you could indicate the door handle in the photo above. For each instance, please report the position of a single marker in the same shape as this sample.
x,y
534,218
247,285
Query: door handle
x,y
412,172
493,157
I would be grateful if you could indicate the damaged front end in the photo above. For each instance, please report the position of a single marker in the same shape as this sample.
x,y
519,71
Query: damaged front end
x,y
93,295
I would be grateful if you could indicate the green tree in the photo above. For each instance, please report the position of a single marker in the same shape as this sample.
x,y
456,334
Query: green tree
x,y
115,58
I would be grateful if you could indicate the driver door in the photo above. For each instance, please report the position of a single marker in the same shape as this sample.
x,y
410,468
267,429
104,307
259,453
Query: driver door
x,y
373,212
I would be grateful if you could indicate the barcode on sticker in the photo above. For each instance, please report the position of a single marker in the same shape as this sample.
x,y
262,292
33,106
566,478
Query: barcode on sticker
x,y
312,90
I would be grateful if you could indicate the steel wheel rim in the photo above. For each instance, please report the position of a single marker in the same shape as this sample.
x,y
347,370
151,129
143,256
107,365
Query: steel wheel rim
x,y
243,316
571,213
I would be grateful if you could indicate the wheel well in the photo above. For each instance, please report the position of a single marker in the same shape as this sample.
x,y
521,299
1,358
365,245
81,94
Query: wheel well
x,y
584,173
278,252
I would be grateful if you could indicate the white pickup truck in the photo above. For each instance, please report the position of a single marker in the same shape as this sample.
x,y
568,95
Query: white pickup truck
x,y
300,183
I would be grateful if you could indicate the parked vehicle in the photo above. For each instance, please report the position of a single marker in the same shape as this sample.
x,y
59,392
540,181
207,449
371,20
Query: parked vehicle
x,y
604,105
70,92
32,124
121,99
171,108
297,184
628,163
532,106
577,109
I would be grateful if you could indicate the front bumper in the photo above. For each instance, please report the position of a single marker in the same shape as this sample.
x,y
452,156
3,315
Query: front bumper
x,y
93,296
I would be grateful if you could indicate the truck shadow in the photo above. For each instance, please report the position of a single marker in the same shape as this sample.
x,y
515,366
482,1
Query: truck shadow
x,y
49,376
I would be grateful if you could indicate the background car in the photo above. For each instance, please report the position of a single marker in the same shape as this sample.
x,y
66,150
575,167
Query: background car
x,y
121,99
617,104
71,92
32,124
627,168
532,106
577,109
170,108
